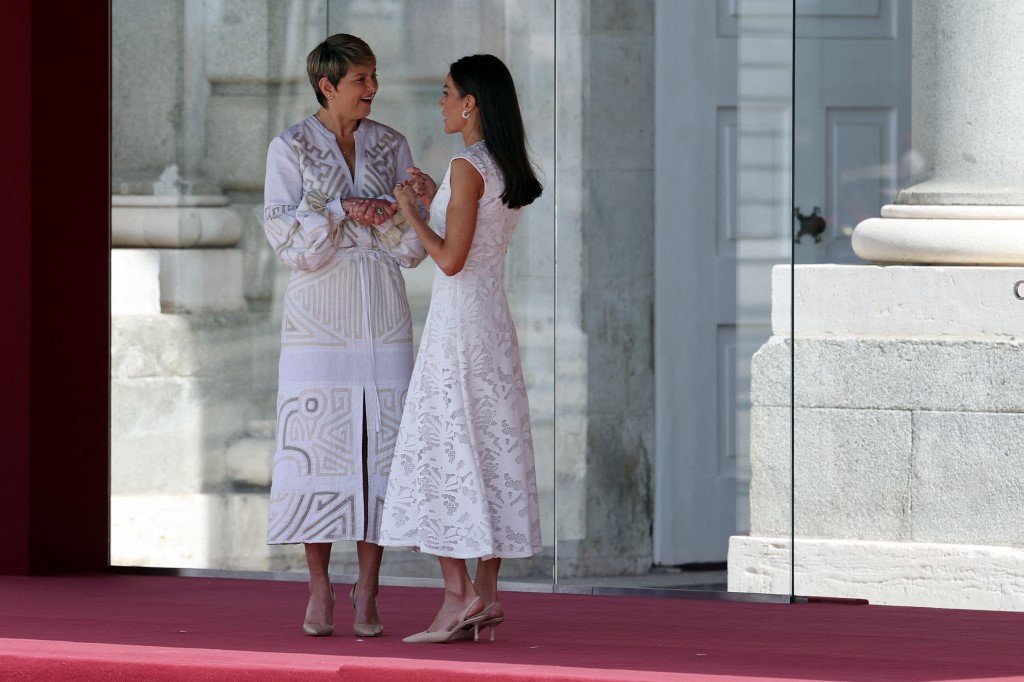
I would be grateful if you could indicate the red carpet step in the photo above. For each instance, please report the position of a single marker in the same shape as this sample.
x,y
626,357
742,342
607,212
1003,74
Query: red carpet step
x,y
130,627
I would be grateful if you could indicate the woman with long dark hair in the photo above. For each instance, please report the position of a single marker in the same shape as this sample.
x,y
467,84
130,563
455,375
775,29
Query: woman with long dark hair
x,y
463,482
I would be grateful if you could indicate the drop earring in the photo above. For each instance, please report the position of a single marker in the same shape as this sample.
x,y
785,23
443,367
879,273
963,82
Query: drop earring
x,y
465,114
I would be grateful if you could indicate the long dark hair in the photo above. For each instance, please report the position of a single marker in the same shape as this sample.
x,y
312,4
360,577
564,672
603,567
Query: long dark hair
x,y
486,78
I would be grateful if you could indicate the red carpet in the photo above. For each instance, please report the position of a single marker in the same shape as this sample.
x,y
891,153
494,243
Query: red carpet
x,y
124,627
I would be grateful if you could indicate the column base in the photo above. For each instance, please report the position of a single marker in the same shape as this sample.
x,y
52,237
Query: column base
x,y
173,221
951,235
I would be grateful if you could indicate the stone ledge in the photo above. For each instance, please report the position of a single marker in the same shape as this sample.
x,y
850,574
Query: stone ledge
x,y
177,226
920,302
893,573
891,374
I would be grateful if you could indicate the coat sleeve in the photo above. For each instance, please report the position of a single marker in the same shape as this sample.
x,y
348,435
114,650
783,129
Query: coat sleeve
x,y
304,230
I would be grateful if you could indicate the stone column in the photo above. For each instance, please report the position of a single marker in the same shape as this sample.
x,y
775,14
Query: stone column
x,y
906,407
605,287
967,207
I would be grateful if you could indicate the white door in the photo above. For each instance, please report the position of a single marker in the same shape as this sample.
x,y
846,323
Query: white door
x,y
724,216
852,116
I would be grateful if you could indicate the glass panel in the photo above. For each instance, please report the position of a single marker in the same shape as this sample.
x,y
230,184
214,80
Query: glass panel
x,y
197,291
907,418
673,208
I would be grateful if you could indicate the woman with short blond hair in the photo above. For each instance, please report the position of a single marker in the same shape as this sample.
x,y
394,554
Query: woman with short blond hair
x,y
346,332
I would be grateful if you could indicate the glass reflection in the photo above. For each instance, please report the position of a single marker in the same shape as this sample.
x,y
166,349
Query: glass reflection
x,y
673,209
197,291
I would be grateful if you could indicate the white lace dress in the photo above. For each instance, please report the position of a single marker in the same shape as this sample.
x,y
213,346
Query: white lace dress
x,y
463,481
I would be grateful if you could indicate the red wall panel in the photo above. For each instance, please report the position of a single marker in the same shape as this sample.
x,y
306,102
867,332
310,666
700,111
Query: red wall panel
x,y
15,298
56,287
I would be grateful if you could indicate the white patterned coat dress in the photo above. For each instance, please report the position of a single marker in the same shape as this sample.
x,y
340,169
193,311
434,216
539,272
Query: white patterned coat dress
x,y
463,481
346,331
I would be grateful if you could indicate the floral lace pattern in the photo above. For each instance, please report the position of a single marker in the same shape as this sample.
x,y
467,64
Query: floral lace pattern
x,y
463,480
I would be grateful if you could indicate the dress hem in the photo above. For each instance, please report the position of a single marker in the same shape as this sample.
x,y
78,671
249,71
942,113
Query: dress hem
x,y
319,541
460,555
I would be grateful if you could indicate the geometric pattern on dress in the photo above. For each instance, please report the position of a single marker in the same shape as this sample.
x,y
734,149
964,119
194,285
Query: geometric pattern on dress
x,y
296,421
274,211
315,517
376,508
321,169
380,159
334,446
390,317
315,431
317,307
391,401
319,446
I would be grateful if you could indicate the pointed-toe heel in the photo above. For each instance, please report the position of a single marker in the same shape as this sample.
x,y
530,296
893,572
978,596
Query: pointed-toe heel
x,y
367,630
466,623
317,629
364,629
320,629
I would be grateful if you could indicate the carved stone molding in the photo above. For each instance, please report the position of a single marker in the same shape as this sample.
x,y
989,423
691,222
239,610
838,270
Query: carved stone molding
x,y
173,221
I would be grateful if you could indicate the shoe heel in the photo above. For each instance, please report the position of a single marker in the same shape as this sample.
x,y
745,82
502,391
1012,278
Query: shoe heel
x,y
491,623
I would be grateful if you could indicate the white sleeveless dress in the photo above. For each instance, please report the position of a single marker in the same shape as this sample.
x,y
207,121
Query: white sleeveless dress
x,y
462,481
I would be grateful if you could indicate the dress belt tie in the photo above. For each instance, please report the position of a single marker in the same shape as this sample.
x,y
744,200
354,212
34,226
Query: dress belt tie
x,y
364,280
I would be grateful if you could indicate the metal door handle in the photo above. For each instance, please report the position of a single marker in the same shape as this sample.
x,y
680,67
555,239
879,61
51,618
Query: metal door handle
x,y
812,225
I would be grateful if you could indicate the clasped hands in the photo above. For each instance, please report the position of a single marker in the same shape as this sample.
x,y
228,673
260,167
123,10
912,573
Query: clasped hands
x,y
369,212
373,212
419,188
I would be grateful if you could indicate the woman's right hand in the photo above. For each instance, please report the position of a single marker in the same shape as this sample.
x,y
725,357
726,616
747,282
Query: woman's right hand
x,y
405,196
369,212
422,184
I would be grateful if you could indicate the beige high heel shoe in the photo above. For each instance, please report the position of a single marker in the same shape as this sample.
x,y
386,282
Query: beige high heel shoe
x,y
441,636
319,629
364,629
488,622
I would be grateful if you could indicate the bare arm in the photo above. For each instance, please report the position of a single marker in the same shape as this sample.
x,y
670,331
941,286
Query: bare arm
x,y
449,252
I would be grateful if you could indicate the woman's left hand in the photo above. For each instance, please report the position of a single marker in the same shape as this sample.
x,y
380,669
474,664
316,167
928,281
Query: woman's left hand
x,y
370,212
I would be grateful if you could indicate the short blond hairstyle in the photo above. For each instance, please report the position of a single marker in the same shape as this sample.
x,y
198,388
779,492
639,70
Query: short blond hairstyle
x,y
332,59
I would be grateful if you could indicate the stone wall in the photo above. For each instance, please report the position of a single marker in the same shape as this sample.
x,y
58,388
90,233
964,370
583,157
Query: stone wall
x,y
909,434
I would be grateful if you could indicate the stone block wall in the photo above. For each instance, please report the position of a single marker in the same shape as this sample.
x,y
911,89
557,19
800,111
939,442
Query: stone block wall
x,y
909,439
